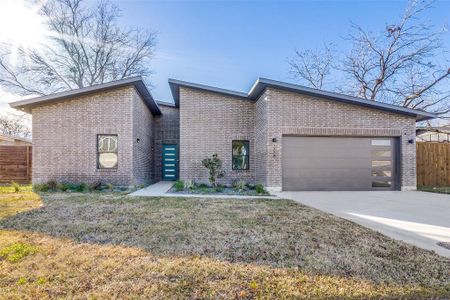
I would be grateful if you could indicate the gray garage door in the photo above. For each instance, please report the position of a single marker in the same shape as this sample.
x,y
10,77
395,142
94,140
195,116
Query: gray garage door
x,y
338,163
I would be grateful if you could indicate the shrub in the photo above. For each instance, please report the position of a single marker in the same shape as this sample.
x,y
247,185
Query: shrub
x,y
15,186
179,185
110,187
214,166
240,185
77,187
203,186
95,186
63,187
260,189
43,187
219,189
52,184
189,185
82,187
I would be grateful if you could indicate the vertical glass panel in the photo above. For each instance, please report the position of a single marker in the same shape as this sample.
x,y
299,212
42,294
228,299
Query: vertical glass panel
x,y
381,142
381,184
381,173
381,153
381,163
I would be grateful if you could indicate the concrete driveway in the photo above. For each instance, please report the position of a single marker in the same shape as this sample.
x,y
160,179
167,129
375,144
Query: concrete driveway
x,y
418,218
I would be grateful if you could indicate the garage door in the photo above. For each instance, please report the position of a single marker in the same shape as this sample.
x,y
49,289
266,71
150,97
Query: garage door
x,y
338,163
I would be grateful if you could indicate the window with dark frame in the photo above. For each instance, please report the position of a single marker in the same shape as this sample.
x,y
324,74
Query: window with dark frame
x,y
240,155
107,145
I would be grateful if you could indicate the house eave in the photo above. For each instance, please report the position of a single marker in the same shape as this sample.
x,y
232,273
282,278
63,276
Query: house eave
x,y
26,105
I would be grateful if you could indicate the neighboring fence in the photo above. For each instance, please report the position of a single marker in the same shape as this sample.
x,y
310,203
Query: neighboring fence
x,y
15,164
433,164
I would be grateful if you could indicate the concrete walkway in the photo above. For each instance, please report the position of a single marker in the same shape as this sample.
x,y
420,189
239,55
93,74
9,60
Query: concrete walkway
x,y
418,218
160,189
154,190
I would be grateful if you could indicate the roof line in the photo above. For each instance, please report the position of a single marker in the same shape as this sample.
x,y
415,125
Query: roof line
x,y
136,81
261,84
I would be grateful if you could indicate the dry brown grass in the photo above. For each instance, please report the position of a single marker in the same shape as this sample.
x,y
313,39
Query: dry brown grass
x,y
197,248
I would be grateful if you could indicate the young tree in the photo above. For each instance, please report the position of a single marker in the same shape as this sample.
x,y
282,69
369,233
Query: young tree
x,y
214,166
312,66
86,46
15,125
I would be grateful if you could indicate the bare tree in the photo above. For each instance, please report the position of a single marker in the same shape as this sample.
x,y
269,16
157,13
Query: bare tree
x,y
86,47
399,65
15,125
405,64
312,66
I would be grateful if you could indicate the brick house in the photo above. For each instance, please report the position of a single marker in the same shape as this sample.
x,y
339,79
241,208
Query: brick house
x,y
285,136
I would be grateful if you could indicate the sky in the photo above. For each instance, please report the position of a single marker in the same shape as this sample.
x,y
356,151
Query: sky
x,y
229,44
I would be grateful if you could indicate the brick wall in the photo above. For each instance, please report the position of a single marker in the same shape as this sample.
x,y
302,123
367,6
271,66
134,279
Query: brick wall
x,y
143,140
167,131
208,124
210,121
295,114
65,137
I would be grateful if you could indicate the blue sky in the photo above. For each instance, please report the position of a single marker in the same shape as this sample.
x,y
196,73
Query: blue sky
x,y
231,43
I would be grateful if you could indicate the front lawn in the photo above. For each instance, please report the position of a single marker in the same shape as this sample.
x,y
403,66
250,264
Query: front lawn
x,y
109,245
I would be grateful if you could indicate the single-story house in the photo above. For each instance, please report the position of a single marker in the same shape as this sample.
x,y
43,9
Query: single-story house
x,y
284,136
9,140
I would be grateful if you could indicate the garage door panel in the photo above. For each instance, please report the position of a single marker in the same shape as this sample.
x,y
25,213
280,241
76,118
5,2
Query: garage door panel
x,y
332,163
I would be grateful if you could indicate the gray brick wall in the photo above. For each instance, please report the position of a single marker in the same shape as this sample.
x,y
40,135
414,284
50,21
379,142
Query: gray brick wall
x,y
210,121
65,138
167,131
294,114
208,124
143,142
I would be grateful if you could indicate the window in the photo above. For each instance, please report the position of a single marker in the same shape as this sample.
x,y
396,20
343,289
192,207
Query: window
x,y
240,155
381,163
381,153
107,151
381,142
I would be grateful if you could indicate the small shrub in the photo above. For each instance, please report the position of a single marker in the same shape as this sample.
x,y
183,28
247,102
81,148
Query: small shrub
x,y
15,186
17,251
260,189
203,186
110,187
43,187
240,185
179,185
63,187
82,187
53,185
77,187
219,189
189,185
95,186
214,166
21,281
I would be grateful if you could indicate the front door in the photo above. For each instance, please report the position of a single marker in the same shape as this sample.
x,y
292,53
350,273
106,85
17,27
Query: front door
x,y
169,162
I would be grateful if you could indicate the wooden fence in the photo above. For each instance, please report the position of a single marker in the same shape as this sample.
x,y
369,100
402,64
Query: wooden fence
x,y
433,164
15,164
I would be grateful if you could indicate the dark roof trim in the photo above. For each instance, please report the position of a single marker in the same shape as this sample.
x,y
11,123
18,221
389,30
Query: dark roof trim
x,y
262,84
137,82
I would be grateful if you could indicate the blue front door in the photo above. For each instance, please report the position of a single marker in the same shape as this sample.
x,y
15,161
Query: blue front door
x,y
170,162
